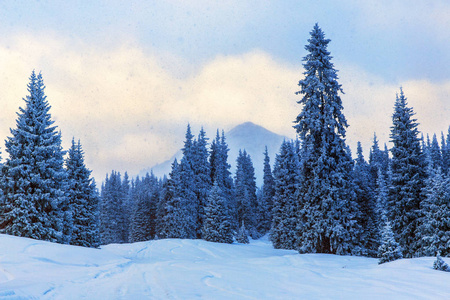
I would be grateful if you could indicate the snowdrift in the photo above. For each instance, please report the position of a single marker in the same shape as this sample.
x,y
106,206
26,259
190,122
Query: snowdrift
x,y
195,269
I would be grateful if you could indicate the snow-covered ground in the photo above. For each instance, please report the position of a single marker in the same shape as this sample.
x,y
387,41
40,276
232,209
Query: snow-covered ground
x,y
195,269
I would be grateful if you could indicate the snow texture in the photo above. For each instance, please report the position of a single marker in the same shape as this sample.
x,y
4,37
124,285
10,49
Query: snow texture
x,y
195,269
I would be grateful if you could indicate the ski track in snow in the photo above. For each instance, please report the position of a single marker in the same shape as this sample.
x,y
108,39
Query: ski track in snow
x,y
195,269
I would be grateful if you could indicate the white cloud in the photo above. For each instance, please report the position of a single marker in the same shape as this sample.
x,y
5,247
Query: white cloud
x,y
130,111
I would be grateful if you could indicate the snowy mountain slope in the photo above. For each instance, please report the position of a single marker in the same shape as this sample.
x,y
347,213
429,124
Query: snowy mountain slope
x,y
195,269
249,136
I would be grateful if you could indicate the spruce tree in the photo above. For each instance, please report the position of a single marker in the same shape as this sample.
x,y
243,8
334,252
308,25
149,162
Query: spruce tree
x,y
265,203
440,265
245,192
35,204
408,168
366,201
242,236
220,172
201,168
327,194
435,153
389,249
433,233
285,220
217,226
145,194
83,199
112,210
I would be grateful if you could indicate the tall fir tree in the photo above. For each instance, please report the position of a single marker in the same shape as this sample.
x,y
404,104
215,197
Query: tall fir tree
x,y
145,194
408,168
327,196
112,214
201,168
217,225
366,200
83,199
265,203
285,219
435,153
245,192
433,233
220,172
35,203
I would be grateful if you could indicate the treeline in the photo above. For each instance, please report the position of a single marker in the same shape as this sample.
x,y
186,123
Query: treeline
x,y
199,199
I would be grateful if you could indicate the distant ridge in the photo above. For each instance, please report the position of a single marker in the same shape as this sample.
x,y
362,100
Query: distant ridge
x,y
249,136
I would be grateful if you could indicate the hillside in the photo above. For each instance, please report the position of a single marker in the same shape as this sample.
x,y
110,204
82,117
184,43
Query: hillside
x,y
195,269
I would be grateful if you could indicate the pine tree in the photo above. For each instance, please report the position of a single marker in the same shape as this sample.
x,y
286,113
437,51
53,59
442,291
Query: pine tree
x,y
217,225
220,172
327,194
408,168
389,249
285,220
83,200
245,191
366,200
112,210
242,236
145,194
201,168
35,204
440,265
265,203
435,154
433,233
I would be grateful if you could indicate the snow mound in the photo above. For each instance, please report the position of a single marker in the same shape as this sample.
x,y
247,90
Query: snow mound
x,y
195,269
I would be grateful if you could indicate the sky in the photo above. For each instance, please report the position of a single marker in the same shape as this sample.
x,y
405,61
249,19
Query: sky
x,y
126,77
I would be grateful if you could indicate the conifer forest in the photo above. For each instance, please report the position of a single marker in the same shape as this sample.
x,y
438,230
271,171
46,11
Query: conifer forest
x,y
316,196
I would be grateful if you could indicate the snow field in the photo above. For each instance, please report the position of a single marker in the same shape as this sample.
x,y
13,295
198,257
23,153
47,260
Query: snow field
x,y
195,269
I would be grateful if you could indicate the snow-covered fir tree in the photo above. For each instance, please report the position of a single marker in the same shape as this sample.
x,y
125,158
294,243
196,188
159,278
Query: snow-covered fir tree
x,y
217,225
167,209
389,249
83,199
440,265
242,235
408,168
201,168
127,205
445,148
145,195
35,202
327,193
178,216
366,200
112,213
220,173
435,153
245,192
265,201
433,233
285,213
